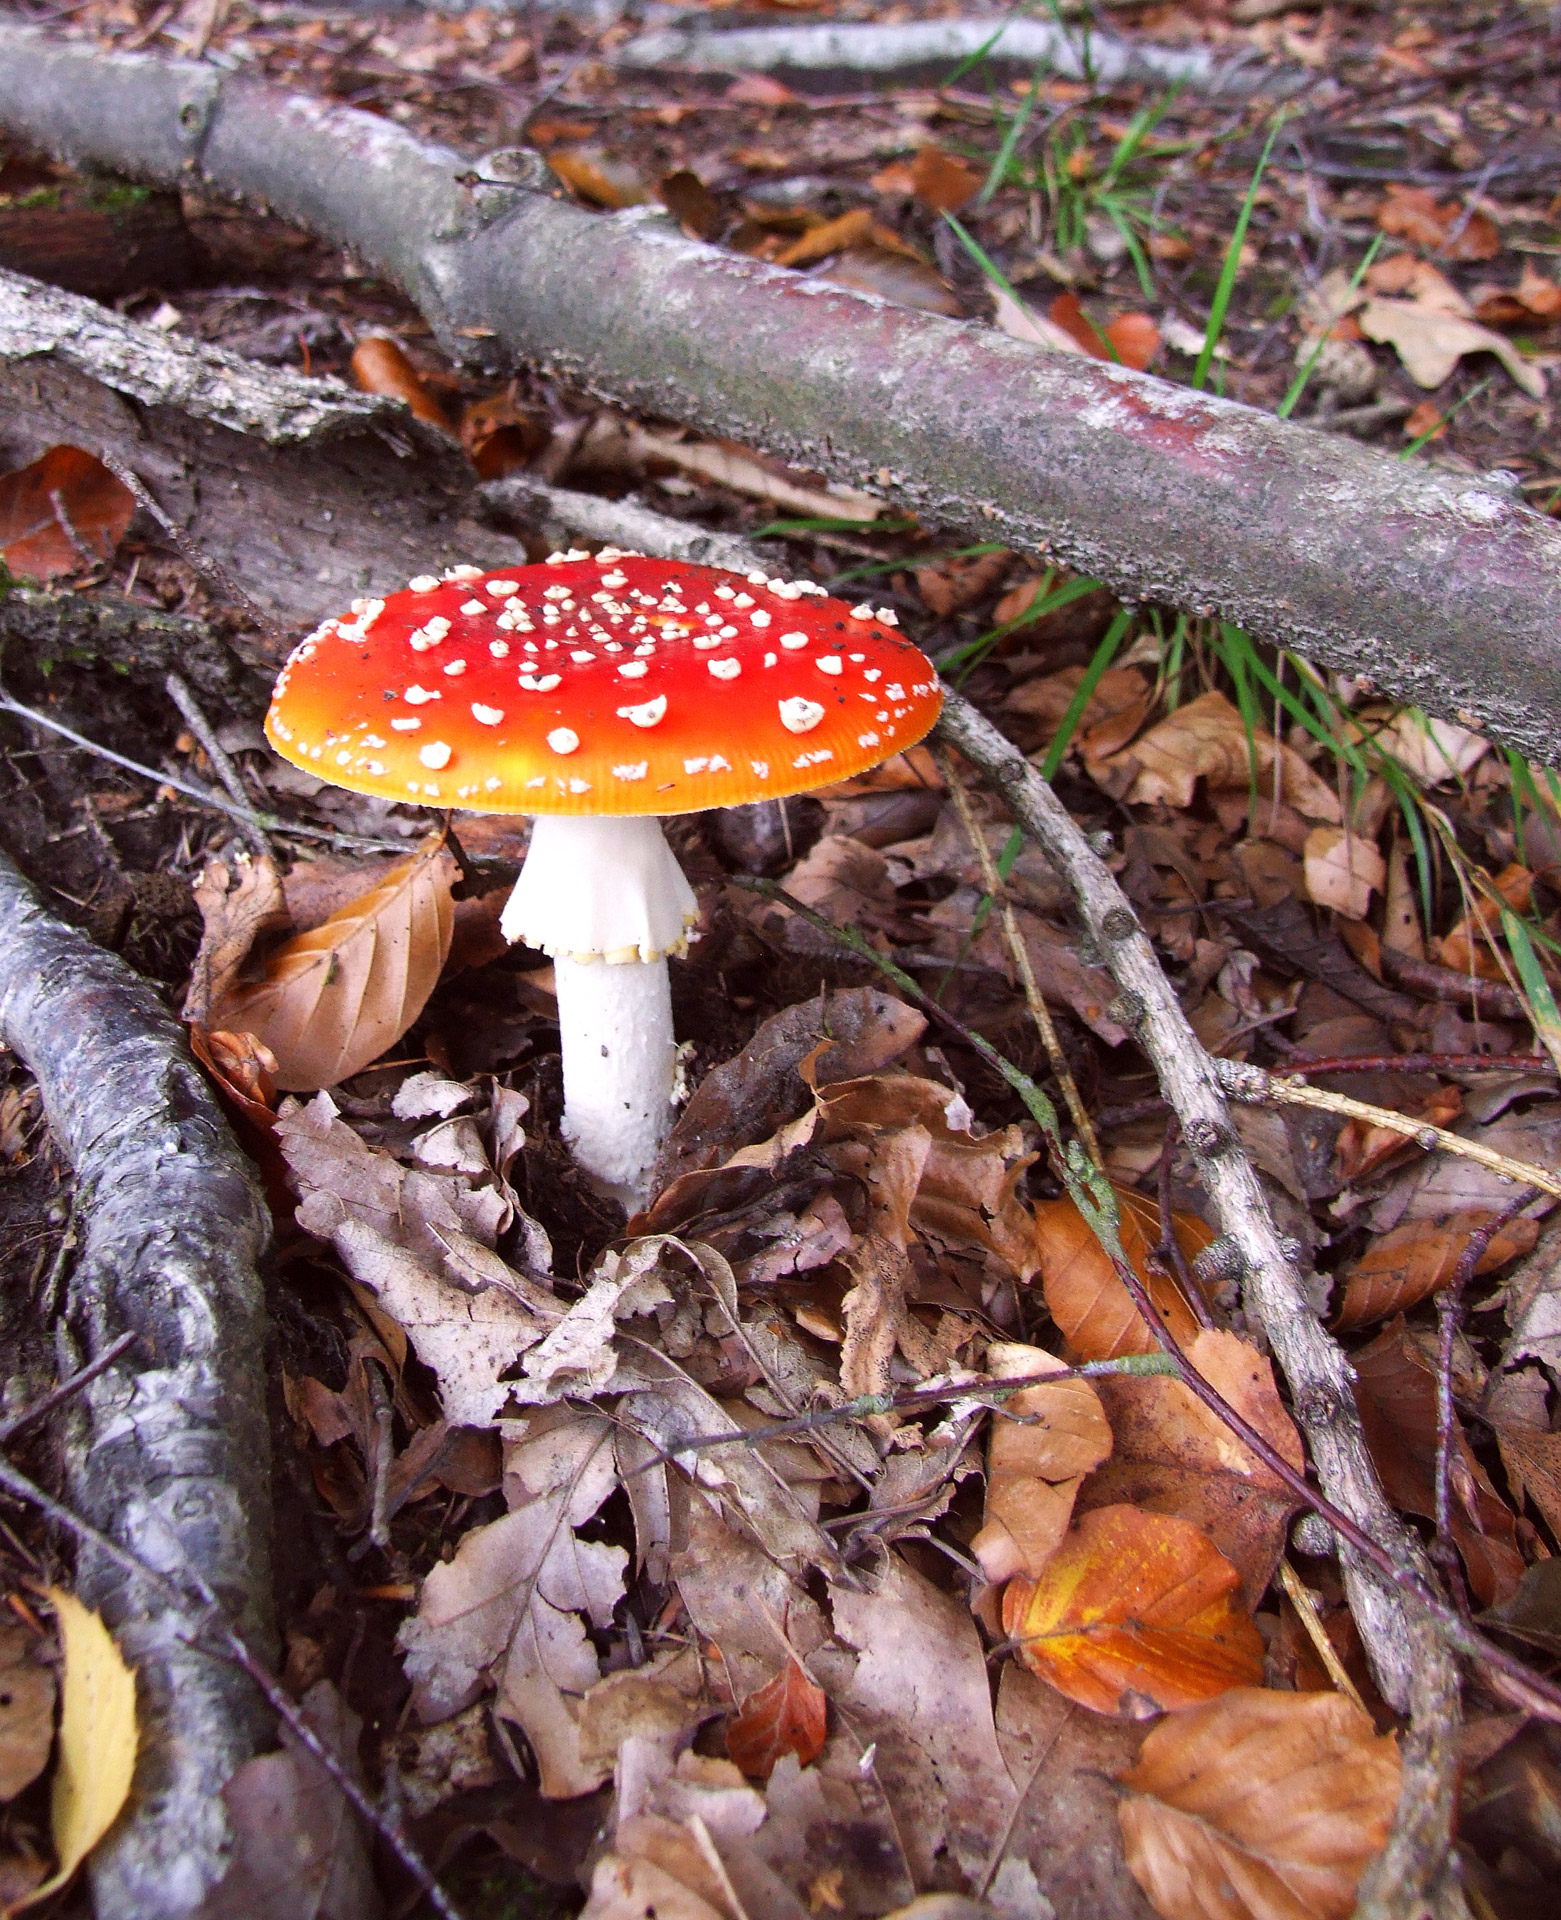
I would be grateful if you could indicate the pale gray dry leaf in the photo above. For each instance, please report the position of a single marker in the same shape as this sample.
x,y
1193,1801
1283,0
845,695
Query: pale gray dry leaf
x,y
827,1828
742,1603
920,1694
659,1704
299,1851
666,1407
1533,1300
422,1243
580,1354
515,1592
1063,1760
237,905
423,1095
432,1763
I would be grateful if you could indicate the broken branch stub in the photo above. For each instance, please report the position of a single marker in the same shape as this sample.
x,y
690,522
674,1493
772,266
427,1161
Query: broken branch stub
x,y
175,1457
1442,587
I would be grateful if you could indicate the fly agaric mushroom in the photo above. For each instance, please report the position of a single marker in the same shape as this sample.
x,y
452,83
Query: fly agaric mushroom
x,y
597,694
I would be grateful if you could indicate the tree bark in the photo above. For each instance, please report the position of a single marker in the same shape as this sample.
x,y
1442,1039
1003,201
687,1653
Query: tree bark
x,y
172,1456
1443,588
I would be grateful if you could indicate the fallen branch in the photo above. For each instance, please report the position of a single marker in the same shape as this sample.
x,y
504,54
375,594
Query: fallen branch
x,y
1408,1656
1442,587
260,465
176,1448
824,53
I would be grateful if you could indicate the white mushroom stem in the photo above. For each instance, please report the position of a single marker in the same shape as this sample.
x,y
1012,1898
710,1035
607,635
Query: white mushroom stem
x,y
608,901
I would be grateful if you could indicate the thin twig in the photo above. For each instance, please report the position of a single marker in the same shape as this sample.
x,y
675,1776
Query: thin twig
x,y
79,546
216,577
1255,1086
1167,1251
1093,1195
1306,1612
58,1395
997,892
1449,1314
384,1453
271,822
211,1618
182,697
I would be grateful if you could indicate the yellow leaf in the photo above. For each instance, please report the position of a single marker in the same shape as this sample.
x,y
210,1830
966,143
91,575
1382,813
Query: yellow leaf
x,y
97,1741
335,998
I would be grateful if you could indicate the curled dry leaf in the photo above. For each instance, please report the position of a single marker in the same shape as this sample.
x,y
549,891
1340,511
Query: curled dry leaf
x,y
1083,1294
1035,1463
1175,1455
1433,329
1414,214
788,1714
1134,1608
335,998
1417,1258
1208,740
1019,323
380,365
1259,1806
62,513
897,277
1133,339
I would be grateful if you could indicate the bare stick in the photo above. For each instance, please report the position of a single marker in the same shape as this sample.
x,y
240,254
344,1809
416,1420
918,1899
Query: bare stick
x,y
57,1396
1449,1313
1040,1013
209,1619
1254,1086
216,577
257,821
180,694
1306,1612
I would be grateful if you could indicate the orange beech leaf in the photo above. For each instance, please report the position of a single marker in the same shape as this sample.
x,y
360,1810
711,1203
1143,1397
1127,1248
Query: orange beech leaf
x,y
1418,1258
1135,1607
1084,1295
1173,1455
785,1715
1037,1456
66,491
1259,1806
1132,338
1395,1390
943,182
333,999
380,365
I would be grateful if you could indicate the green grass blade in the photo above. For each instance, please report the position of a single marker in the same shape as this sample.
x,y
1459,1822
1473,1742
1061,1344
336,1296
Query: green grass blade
x,y
998,171
1536,988
1099,661
1228,272
1288,405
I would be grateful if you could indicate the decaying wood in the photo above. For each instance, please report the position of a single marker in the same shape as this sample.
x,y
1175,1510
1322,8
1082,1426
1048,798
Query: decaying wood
x,y
43,631
262,466
1442,588
824,52
172,1456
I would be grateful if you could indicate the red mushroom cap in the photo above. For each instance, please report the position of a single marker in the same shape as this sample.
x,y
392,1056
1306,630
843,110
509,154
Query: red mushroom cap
x,y
606,685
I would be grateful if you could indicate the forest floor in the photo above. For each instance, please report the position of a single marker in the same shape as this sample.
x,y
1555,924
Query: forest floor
x,y
868,1663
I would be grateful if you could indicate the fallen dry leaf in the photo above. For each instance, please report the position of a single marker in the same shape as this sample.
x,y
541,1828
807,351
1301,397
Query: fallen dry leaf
x,y
61,514
1535,300
298,1847
1259,1806
1395,1391
1343,870
597,177
1414,214
380,365
238,903
744,472
420,1241
920,1691
954,584
1035,1463
1134,1609
1019,323
1207,740
1416,1259
98,1741
1172,1454
333,999
1532,1459
786,1715
897,277
1132,338
942,181
1092,1308
1429,749
1363,1146
26,1709
1430,341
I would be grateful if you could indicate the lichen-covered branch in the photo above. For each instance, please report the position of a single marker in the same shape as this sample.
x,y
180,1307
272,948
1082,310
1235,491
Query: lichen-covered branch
x,y
172,1455
1442,587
